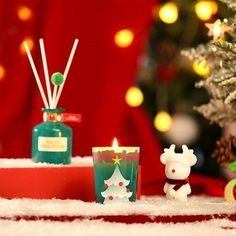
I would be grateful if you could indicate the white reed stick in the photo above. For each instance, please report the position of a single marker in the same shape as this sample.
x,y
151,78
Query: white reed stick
x,y
54,96
36,74
66,72
45,68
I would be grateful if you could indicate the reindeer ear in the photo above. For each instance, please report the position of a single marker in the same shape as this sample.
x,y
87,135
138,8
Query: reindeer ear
x,y
192,159
163,158
186,150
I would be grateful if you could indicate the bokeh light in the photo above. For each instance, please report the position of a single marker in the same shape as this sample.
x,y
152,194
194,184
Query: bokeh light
x,y
168,13
162,121
205,9
134,96
201,68
30,43
24,13
2,72
124,38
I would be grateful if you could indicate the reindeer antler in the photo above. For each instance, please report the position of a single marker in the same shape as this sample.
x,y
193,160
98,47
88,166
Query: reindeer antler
x,y
192,159
186,150
167,153
170,150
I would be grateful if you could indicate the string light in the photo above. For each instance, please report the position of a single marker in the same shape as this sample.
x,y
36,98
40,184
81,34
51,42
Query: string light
x,y
216,31
30,43
205,9
201,68
124,38
168,13
2,72
162,121
214,49
134,97
24,13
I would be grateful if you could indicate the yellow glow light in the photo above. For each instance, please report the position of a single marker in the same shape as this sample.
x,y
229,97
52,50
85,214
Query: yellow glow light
x,y
205,9
2,72
134,97
162,121
30,43
201,68
124,38
24,13
169,13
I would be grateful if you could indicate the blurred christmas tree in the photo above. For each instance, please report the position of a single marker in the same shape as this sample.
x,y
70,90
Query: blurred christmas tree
x,y
167,78
220,56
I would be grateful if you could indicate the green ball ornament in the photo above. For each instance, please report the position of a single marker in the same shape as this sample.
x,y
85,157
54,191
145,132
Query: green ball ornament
x,y
57,78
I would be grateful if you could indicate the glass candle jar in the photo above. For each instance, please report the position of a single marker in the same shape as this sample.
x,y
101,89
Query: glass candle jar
x,y
52,139
115,173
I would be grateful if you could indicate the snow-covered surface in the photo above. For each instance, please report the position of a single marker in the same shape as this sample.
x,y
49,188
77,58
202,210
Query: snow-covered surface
x,y
156,206
151,206
27,163
99,228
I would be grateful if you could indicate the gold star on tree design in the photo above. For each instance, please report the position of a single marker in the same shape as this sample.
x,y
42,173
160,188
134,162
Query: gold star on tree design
x,y
117,160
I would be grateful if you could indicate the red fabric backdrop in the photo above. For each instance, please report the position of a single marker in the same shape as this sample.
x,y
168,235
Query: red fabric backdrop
x,y
99,77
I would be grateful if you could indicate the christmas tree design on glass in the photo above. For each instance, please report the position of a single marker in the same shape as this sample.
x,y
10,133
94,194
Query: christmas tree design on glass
x,y
116,186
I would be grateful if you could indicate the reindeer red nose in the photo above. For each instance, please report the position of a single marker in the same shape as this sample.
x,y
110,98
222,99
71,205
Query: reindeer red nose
x,y
173,171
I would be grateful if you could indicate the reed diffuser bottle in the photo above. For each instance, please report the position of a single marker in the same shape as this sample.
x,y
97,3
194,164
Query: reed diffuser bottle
x,y
52,139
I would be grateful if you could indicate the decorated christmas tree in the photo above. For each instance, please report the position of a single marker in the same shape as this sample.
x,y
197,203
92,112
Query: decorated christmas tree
x,y
220,56
116,186
167,78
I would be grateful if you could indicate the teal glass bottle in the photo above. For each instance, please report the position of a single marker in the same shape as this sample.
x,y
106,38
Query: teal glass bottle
x,y
52,139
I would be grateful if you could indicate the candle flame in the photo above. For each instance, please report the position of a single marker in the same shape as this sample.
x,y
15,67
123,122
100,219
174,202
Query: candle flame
x,y
115,144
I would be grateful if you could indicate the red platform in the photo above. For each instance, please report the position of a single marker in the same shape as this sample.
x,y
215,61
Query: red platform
x,y
40,181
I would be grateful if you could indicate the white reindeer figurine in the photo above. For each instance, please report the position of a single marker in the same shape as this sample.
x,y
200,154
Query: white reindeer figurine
x,y
177,170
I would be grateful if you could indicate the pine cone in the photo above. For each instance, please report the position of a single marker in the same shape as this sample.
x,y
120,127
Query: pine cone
x,y
225,151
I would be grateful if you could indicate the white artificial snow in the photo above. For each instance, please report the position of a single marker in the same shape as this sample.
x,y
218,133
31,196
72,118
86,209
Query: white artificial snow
x,y
99,228
152,206
155,206
27,163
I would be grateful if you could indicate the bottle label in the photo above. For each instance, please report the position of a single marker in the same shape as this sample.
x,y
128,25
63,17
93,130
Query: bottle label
x,y
52,144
